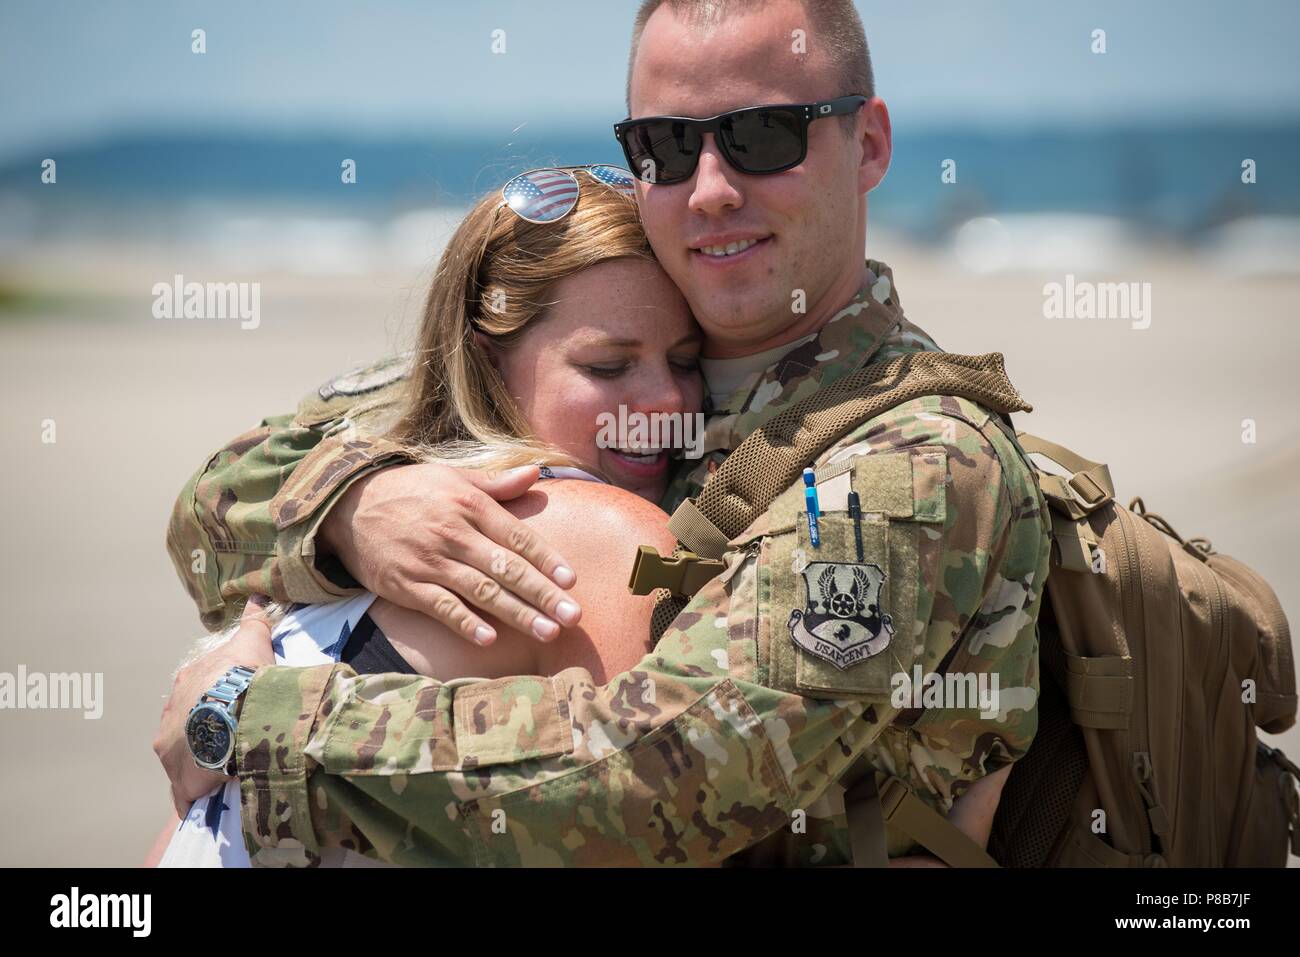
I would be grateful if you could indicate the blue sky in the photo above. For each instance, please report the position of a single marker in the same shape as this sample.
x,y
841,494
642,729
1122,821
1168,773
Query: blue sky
x,y
71,71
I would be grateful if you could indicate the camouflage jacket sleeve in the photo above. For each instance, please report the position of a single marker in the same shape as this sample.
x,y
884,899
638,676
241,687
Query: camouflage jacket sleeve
x,y
245,523
729,726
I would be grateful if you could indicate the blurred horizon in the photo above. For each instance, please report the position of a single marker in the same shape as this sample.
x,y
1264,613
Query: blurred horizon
x,y
1101,157
71,72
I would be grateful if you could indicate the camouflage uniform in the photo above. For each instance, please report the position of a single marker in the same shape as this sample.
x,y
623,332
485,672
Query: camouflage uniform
x,y
245,523
728,728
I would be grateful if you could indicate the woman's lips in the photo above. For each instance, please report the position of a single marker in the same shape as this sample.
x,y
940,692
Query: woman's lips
x,y
641,466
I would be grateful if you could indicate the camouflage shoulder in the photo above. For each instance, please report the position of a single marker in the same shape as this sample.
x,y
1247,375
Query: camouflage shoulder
x,y
967,433
934,419
360,394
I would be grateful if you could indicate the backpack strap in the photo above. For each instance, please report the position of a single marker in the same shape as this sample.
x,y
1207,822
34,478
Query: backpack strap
x,y
1087,488
1072,498
871,806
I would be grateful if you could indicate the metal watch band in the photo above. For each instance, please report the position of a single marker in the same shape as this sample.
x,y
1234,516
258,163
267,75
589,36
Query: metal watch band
x,y
229,686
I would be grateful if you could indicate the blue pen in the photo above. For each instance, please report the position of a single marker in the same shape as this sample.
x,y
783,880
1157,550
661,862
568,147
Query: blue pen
x,y
810,503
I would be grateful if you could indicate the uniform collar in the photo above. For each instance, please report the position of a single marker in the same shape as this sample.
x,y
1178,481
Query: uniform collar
x,y
843,345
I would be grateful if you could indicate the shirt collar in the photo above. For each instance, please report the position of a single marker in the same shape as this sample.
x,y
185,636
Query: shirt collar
x,y
843,345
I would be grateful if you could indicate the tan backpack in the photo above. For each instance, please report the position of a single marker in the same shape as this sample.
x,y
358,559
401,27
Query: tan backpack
x,y
1159,658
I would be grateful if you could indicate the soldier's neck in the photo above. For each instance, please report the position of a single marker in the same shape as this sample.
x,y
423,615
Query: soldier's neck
x,y
725,376
726,372
802,324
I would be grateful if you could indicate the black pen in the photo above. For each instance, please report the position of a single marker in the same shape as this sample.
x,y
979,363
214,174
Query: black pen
x,y
855,512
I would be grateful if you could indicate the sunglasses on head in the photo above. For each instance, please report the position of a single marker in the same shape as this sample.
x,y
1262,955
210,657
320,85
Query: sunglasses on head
x,y
547,195
755,140
551,193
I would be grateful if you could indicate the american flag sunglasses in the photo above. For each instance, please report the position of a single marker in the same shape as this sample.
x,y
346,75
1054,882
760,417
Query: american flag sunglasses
x,y
551,193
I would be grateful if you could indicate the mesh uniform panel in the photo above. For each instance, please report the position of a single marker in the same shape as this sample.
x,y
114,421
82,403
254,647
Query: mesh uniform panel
x,y
1039,796
667,607
775,454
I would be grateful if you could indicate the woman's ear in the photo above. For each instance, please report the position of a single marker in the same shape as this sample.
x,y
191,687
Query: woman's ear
x,y
489,348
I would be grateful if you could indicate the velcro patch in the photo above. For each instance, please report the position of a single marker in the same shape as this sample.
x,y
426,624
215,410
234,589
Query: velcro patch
x,y
367,378
841,621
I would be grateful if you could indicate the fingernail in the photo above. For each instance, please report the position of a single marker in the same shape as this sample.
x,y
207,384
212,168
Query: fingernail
x,y
484,635
544,628
567,612
564,576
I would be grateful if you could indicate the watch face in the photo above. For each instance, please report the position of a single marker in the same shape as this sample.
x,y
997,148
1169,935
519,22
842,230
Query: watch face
x,y
210,735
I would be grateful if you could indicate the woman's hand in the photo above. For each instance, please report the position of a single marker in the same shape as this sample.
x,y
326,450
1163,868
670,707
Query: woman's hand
x,y
251,647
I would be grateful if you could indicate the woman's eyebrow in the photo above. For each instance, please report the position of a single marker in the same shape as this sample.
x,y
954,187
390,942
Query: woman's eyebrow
x,y
621,342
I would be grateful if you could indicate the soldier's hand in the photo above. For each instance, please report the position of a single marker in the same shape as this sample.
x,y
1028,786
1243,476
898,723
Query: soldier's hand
x,y
436,540
251,647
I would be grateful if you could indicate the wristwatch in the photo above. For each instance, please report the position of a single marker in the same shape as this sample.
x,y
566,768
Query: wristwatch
x,y
210,728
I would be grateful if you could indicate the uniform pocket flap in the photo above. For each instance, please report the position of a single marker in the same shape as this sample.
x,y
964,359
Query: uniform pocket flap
x,y
509,720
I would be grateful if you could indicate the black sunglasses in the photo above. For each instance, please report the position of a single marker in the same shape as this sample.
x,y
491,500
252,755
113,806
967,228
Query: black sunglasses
x,y
755,140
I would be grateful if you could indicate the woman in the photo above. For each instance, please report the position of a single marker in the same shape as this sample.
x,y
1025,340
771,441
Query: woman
x,y
544,315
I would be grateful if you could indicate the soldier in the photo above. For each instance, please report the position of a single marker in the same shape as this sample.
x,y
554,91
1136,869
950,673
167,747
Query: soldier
x,y
783,671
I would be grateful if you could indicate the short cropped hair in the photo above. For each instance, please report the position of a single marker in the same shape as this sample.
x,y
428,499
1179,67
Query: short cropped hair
x,y
835,24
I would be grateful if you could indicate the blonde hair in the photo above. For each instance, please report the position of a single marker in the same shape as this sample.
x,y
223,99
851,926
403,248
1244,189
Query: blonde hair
x,y
496,277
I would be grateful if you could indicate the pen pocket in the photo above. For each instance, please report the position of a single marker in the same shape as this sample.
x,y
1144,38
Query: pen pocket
x,y
839,627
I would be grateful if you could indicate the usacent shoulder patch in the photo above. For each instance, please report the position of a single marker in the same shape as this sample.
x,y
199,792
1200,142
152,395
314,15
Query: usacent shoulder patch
x,y
841,621
368,378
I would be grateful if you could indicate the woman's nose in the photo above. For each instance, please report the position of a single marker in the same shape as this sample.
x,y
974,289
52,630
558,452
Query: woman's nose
x,y
660,391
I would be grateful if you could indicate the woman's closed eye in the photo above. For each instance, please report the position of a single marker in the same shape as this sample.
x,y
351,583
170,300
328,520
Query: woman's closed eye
x,y
613,371
608,371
